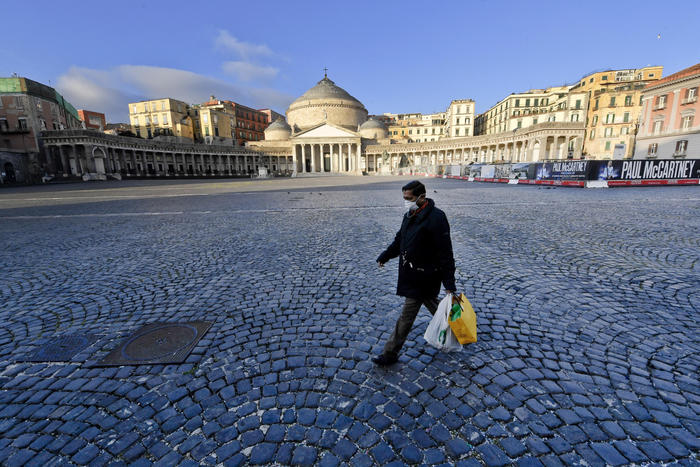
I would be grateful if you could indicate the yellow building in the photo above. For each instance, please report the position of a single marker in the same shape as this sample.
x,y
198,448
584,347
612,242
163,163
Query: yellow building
x,y
162,117
614,107
216,122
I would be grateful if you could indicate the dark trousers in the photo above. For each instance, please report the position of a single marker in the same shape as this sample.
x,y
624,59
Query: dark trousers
x,y
405,322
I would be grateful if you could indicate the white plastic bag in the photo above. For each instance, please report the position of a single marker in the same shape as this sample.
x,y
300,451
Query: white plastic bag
x,y
439,334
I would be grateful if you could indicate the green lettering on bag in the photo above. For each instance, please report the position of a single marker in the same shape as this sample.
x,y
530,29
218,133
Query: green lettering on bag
x,y
456,312
443,336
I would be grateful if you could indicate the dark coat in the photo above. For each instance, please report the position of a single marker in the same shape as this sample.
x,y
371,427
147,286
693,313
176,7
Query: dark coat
x,y
424,248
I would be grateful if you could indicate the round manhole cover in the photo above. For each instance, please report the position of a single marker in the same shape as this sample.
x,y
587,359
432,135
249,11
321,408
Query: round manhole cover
x,y
159,342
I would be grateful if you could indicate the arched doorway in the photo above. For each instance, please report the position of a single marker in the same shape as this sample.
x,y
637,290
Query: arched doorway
x,y
9,170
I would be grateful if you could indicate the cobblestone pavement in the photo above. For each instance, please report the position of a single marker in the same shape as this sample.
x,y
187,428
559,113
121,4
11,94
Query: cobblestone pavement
x,y
587,306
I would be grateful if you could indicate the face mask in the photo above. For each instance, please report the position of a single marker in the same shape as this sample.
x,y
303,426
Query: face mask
x,y
411,205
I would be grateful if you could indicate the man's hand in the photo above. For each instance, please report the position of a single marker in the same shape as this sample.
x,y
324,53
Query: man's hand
x,y
450,291
380,264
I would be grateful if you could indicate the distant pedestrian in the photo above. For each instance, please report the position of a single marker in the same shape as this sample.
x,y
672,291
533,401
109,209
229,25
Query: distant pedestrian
x,y
424,248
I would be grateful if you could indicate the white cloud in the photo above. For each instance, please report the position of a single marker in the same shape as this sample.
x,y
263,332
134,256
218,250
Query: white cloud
x,y
246,71
110,90
245,50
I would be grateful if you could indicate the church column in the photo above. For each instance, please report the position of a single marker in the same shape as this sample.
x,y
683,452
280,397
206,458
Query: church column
x,y
339,158
322,159
303,158
313,158
358,155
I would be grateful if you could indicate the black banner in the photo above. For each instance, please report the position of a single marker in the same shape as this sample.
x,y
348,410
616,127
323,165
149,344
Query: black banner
x,y
564,170
647,169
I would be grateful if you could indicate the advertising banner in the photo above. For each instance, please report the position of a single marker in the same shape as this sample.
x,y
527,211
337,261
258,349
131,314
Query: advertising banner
x,y
647,169
487,171
564,170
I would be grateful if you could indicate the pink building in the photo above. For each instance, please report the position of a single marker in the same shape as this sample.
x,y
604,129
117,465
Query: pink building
x,y
670,121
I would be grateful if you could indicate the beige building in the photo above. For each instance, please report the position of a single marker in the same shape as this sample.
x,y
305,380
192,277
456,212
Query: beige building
x,y
614,109
459,119
522,110
216,122
416,127
163,117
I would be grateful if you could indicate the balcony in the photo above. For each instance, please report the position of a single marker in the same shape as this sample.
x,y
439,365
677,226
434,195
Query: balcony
x,y
659,107
689,100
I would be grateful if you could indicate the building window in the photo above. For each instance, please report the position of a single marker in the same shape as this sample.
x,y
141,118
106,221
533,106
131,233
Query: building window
x,y
651,151
534,121
607,145
687,122
592,134
608,132
574,118
628,100
527,102
661,102
595,107
22,123
610,118
148,120
206,130
605,78
578,104
681,147
626,117
457,132
658,126
624,130
205,118
517,102
595,120
162,105
136,120
612,102
3,125
651,75
19,102
155,119
164,119
691,95
153,106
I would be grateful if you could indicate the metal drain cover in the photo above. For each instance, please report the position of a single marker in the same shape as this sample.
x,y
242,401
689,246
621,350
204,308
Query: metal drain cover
x,y
60,348
158,343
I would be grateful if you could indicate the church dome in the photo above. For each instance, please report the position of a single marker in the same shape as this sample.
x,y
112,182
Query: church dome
x,y
374,129
278,130
326,102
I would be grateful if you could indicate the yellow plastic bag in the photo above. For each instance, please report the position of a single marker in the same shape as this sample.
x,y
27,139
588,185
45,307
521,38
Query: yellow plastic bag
x,y
462,319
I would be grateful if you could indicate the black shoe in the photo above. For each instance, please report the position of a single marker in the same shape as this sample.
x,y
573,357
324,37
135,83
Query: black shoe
x,y
383,360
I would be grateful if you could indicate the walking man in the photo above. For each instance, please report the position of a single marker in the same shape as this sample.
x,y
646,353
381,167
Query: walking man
x,y
424,248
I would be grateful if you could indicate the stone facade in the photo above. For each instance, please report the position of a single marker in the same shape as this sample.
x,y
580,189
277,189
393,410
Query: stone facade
x,y
326,102
95,155
26,109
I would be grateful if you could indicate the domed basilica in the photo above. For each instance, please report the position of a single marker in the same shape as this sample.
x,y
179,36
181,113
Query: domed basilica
x,y
324,132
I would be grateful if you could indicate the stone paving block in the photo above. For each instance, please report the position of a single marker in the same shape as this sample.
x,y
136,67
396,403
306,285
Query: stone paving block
x,y
559,371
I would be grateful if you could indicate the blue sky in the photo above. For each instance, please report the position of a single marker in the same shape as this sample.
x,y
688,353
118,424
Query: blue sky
x,y
394,56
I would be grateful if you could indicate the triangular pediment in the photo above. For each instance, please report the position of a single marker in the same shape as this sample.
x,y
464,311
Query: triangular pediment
x,y
326,130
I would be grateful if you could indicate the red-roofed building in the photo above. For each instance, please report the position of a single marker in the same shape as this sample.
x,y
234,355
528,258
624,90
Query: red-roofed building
x,y
94,120
670,120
